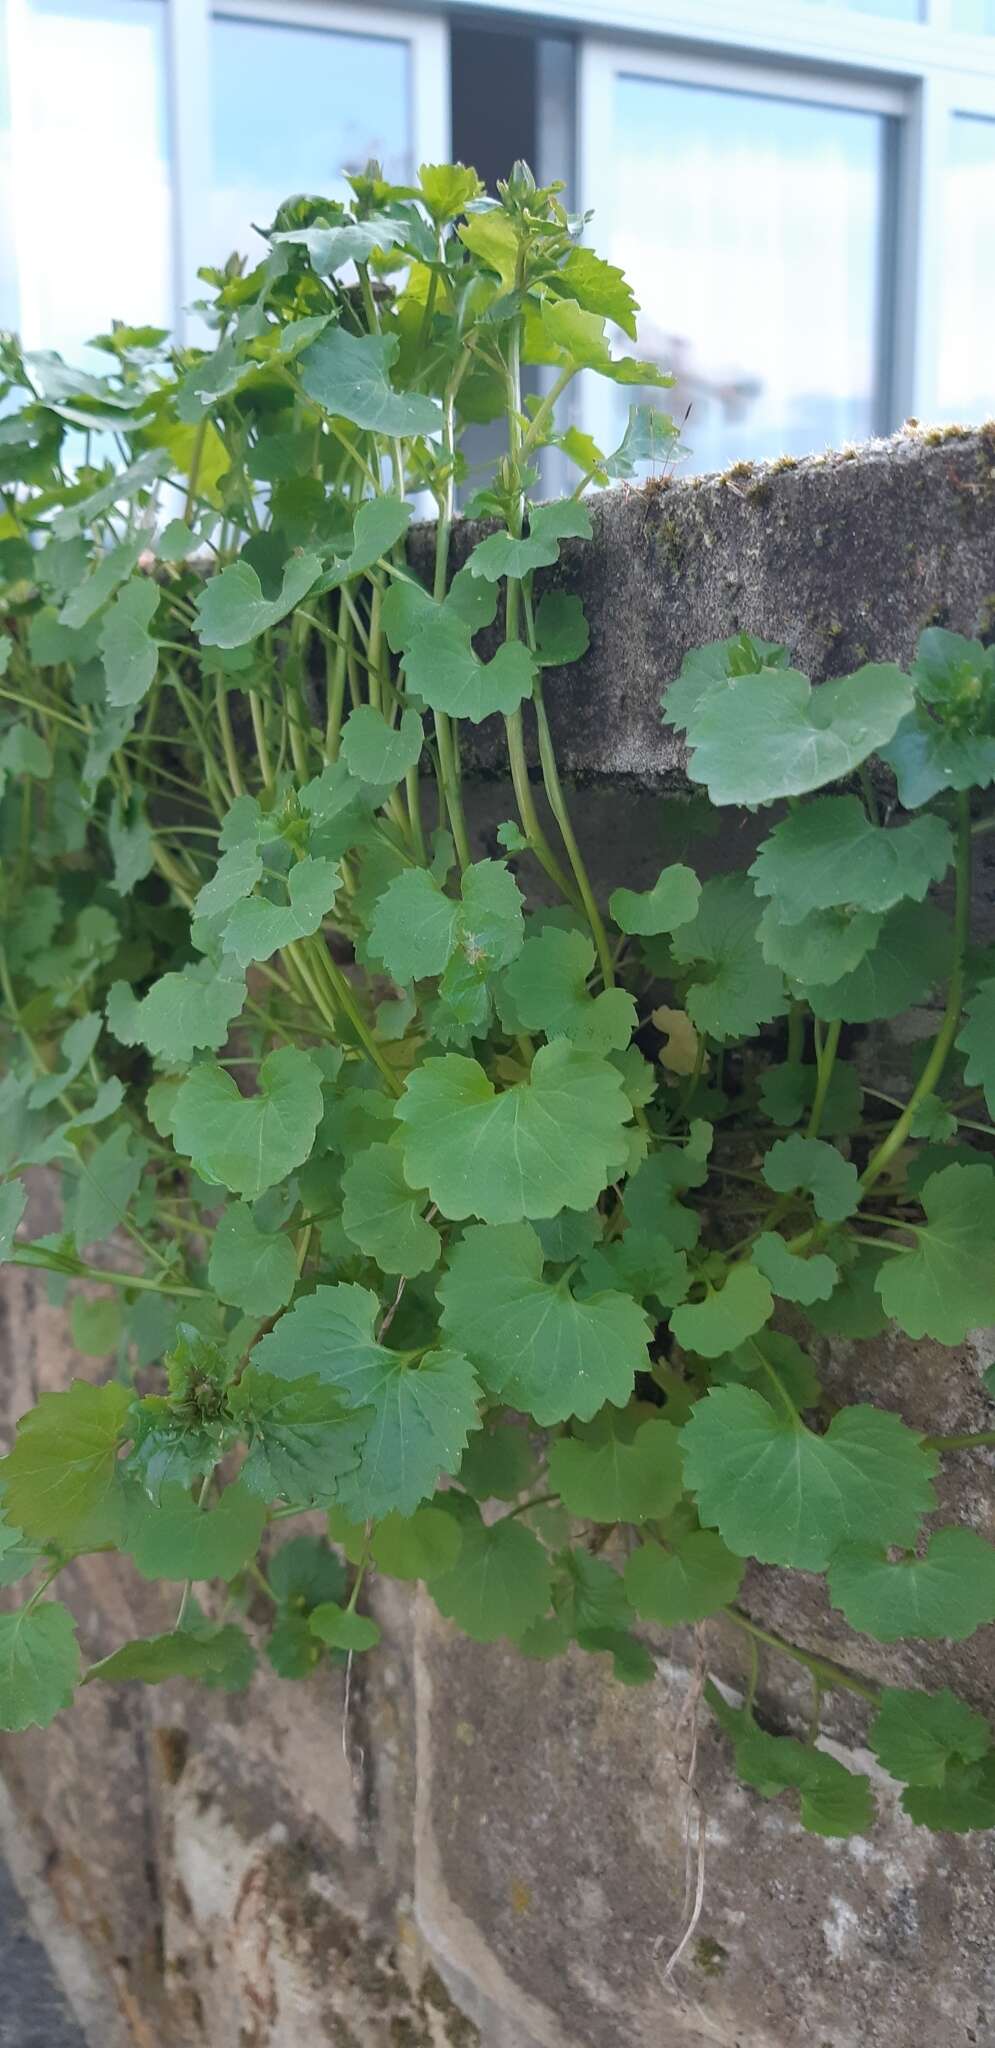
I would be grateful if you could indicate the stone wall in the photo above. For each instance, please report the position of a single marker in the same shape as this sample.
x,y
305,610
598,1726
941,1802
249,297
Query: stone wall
x,y
488,1851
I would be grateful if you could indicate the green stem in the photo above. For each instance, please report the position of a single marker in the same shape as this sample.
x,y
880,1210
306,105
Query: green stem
x,y
829,1674
826,1058
943,1042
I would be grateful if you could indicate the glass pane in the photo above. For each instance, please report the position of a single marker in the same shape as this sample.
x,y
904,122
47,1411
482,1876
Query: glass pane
x,y
292,109
85,220
751,230
896,10
978,16
965,383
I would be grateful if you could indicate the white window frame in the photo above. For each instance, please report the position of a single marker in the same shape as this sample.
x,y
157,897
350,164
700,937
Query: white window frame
x,y
904,70
427,36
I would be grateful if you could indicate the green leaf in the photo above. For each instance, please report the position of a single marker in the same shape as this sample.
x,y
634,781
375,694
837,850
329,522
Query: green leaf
x,y
174,1539
911,954
251,1269
777,1492
231,609
945,1594
500,1583
621,1468
62,1469
726,1315
95,1326
497,1464
13,1202
130,838
383,1217
441,668
535,1345
417,1546
977,1040
946,1285
180,1654
248,1143
552,1142
377,753
448,188
421,1414
834,1801
598,286
108,1181
822,946
502,555
673,900
417,928
560,630
414,926
693,1577
39,1665
181,1013
302,1438
774,1365
131,656
547,985
257,927
342,1629
378,526
733,990
304,1572
965,1800
805,1280
755,738
829,853
811,1164
854,1309
18,1557
915,1735
346,374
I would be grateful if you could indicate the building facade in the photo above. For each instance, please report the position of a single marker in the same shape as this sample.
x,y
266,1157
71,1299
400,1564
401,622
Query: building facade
x,y
802,191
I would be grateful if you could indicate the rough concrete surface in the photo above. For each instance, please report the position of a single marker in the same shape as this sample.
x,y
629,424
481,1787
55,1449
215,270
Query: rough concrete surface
x,y
487,1853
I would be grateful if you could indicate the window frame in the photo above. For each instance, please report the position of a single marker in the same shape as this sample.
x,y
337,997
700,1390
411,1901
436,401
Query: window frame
x,y
190,100
905,70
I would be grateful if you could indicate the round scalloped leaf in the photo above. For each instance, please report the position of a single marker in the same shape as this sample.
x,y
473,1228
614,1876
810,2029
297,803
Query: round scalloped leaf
x,y
249,1142
942,1596
383,1217
39,1665
693,1577
829,853
417,1546
766,736
251,1269
778,1492
911,954
792,1277
726,1316
734,989
672,901
552,1142
620,1468
548,988
916,1734
945,1286
535,1346
501,1581
810,1163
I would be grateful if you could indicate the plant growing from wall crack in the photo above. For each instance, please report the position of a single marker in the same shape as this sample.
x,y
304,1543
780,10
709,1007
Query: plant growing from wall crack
x,y
414,1184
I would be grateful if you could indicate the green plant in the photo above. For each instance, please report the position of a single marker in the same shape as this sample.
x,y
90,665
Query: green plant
x,y
425,1197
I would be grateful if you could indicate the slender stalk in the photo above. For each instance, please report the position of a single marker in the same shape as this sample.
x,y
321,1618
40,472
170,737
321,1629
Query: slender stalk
x,y
943,1042
829,1674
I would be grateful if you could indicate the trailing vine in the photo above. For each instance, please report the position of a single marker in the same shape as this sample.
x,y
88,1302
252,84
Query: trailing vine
x,y
490,1219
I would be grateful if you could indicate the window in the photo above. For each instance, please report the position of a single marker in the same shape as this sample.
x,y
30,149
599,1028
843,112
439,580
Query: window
x,y
966,356
86,216
976,15
752,220
292,108
140,139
